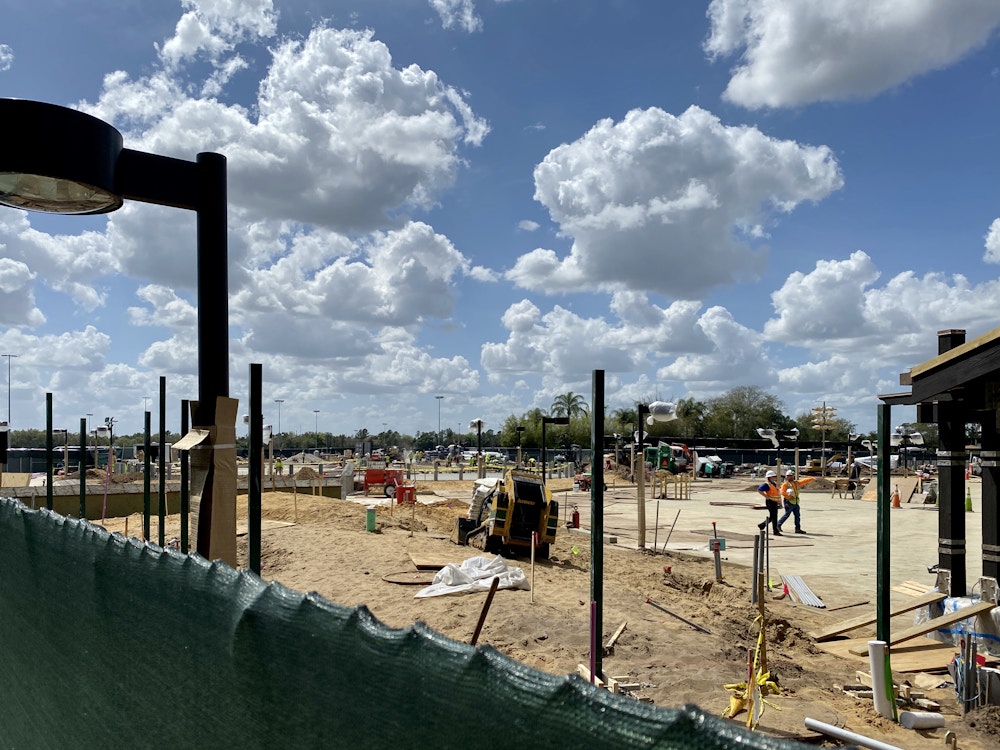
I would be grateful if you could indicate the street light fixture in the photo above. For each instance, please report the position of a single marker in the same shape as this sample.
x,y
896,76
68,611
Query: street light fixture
x,y
279,402
822,417
439,398
65,433
545,421
477,425
902,437
60,160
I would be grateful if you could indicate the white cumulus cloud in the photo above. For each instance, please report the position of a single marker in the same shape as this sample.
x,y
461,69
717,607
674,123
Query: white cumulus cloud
x,y
793,53
683,194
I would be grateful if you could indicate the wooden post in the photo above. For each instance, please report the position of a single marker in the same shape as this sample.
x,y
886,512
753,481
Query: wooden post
x,y
486,608
534,543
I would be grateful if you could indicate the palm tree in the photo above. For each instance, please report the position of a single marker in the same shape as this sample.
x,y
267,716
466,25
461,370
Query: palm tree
x,y
568,405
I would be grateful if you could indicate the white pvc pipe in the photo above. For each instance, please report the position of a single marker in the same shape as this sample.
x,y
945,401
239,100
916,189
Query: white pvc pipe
x,y
921,719
843,734
880,691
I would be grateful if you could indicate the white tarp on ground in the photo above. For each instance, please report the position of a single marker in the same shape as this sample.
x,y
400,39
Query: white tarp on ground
x,y
474,575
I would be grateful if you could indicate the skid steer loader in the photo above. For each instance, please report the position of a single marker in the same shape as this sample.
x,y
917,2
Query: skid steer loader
x,y
503,515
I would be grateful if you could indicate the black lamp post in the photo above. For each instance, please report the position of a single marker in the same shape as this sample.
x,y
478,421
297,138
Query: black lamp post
x,y
519,429
545,421
59,160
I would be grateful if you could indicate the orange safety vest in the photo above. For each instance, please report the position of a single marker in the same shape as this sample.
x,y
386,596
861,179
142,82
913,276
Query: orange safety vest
x,y
773,491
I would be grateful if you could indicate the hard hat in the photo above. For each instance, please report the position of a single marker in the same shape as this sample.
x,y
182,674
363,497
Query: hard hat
x,y
769,475
789,473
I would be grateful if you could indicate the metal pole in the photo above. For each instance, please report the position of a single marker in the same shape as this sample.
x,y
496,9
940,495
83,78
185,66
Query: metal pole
x,y
597,520
439,398
147,465
162,494
213,321
83,468
882,527
279,402
9,358
48,450
254,488
185,472
543,449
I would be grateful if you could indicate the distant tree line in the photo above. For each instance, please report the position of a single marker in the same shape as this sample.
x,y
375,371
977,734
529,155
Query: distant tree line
x,y
736,414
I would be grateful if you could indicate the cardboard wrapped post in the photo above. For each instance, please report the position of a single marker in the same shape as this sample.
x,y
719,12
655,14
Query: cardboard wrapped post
x,y
213,482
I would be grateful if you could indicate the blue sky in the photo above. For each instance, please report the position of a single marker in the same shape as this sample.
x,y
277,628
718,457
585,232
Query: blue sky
x,y
489,199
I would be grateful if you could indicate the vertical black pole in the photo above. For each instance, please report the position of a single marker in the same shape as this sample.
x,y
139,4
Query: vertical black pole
x,y
162,494
83,469
543,449
883,509
185,489
882,527
597,514
48,451
146,466
213,286
255,469
991,481
213,317
951,494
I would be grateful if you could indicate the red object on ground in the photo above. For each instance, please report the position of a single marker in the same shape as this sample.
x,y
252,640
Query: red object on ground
x,y
382,477
405,493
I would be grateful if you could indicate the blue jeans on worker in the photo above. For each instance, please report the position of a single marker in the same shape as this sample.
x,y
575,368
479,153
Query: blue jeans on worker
x,y
792,509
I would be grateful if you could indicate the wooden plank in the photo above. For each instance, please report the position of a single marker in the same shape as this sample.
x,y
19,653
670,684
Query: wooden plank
x,y
861,620
911,588
931,625
916,656
610,645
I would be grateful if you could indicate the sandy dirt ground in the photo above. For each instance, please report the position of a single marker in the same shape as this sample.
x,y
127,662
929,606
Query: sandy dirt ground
x,y
318,544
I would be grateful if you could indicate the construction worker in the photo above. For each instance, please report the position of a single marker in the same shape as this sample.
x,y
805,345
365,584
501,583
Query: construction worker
x,y
790,496
771,493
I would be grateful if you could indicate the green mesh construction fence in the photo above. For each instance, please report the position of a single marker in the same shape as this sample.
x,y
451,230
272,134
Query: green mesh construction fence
x,y
110,642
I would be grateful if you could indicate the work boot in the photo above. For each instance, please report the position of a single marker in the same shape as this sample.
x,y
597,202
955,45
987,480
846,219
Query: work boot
x,y
762,525
801,531
778,533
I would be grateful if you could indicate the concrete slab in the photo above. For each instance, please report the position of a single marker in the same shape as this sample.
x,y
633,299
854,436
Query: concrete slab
x,y
836,559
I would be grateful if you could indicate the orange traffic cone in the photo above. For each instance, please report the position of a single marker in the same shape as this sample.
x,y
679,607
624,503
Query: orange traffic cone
x,y
895,497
